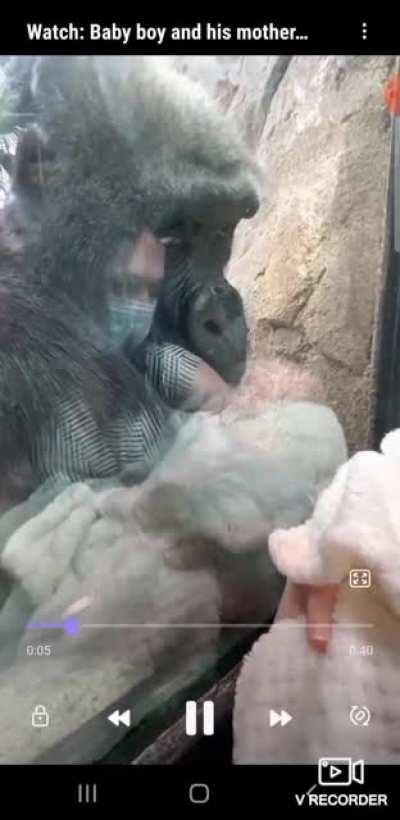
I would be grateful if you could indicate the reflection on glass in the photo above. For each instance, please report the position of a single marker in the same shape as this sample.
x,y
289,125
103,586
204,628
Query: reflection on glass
x,y
169,390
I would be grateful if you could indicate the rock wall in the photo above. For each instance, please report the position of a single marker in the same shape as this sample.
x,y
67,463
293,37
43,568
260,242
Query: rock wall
x,y
310,264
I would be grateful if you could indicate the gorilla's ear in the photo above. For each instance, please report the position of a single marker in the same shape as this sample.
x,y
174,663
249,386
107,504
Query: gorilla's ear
x,y
32,158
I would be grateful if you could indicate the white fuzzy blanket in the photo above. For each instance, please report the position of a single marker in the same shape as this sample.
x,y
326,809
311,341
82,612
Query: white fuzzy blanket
x,y
355,525
118,556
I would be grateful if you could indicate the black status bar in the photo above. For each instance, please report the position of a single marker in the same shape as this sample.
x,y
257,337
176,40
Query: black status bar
x,y
284,33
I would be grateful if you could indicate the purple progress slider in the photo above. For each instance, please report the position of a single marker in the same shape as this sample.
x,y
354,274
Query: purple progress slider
x,y
70,625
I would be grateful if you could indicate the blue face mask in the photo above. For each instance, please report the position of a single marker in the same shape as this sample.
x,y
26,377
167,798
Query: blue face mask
x,y
169,368
130,317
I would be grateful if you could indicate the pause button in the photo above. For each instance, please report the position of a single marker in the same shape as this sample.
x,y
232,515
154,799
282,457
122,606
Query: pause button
x,y
207,714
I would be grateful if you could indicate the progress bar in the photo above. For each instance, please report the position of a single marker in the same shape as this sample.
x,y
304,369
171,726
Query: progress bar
x,y
71,626
221,626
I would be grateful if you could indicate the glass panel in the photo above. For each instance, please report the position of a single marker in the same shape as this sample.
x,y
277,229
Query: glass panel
x,y
190,263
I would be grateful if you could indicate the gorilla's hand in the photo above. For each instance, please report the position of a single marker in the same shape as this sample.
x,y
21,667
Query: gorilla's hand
x,y
183,380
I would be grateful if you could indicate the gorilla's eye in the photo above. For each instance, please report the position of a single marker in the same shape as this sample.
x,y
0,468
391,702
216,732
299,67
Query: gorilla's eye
x,y
170,240
173,233
212,326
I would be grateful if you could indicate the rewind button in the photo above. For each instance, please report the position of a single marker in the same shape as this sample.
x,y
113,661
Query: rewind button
x,y
117,718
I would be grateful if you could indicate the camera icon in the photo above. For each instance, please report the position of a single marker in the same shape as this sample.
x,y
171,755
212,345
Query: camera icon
x,y
340,771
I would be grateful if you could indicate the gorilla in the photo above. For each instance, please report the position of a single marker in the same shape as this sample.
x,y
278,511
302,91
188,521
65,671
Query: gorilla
x,y
111,149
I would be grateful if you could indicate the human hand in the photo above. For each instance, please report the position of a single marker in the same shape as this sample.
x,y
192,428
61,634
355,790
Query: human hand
x,y
316,604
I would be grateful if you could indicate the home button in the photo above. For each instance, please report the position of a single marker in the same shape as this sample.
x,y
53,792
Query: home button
x,y
199,793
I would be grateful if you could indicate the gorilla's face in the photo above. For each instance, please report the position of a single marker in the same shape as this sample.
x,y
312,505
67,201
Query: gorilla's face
x,y
199,309
134,148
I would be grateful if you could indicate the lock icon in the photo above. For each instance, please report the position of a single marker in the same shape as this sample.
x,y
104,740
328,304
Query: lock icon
x,y
40,717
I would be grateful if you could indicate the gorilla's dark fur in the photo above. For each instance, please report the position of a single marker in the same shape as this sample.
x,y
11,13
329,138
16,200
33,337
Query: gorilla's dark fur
x,y
114,146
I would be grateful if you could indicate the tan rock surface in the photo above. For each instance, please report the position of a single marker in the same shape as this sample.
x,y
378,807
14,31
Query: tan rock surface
x,y
309,265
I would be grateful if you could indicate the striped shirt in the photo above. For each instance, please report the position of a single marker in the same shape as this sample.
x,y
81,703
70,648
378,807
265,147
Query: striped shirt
x,y
73,444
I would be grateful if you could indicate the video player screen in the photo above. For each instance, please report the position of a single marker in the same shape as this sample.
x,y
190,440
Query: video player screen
x,y
199,415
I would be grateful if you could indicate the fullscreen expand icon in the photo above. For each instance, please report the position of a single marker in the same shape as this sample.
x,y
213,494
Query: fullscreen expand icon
x,y
360,578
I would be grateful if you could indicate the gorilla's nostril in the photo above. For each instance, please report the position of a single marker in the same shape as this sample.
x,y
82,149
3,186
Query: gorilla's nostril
x,y
212,326
249,205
